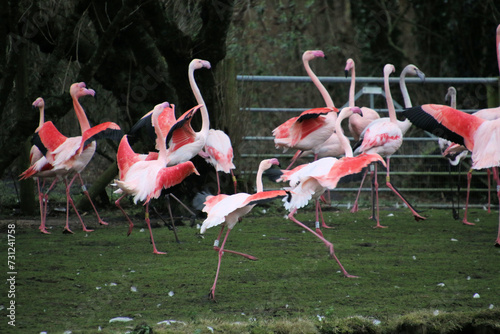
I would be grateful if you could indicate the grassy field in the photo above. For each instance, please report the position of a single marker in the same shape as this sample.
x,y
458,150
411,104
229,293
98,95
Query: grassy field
x,y
412,275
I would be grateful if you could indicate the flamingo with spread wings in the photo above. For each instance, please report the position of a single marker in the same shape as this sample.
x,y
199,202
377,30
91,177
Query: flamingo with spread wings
x,y
70,155
145,179
229,209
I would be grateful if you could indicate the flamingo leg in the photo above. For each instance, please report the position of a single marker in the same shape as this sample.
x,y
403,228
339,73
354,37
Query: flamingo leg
x,y
172,218
323,224
217,248
497,178
355,206
69,201
218,182
235,182
131,225
375,205
84,189
46,201
389,184
469,177
155,251
42,212
326,242
489,190
295,157
211,294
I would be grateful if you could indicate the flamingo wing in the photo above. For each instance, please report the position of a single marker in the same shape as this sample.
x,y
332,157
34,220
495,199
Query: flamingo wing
x,y
219,151
170,176
210,201
181,133
125,157
445,122
108,130
225,210
48,138
266,196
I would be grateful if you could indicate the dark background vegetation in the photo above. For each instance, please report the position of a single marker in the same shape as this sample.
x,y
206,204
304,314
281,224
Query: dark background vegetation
x,y
135,54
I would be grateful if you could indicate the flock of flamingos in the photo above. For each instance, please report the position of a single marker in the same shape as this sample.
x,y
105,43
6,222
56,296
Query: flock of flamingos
x,y
317,131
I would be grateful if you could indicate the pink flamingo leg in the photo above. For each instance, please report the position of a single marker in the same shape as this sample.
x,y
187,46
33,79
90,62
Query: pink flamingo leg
x,y
318,213
295,157
376,213
389,184
489,190
218,182
42,212
497,178
326,242
45,197
469,177
211,294
155,251
131,225
355,206
217,248
68,201
102,222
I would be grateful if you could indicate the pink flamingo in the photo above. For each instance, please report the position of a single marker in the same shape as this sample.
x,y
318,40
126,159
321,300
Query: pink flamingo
x,y
69,156
312,127
229,209
310,181
384,136
359,125
145,179
41,168
219,153
479,136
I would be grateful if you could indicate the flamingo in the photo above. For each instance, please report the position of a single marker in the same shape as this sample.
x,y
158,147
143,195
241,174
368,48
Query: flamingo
x,y
145,179
312,127
70,156
384,136
219,153
359,125
228,210
310,181
481,137
42,169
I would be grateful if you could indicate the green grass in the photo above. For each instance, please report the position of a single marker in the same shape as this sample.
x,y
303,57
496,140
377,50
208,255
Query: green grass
x,y
79,282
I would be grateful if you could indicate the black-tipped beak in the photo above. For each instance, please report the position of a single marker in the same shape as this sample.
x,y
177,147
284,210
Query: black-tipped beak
x,y
346,72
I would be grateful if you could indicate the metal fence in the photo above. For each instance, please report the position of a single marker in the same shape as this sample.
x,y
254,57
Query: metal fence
x,y
424,172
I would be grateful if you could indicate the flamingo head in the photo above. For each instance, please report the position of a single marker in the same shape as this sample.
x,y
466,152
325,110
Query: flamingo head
x,y
349,65
348,111
79,89
196,64
268,163
414,70
39,103
311,54
451,94
160,107
388,69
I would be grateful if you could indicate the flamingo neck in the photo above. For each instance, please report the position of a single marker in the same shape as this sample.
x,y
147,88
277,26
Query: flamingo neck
x,y
453,101
42,117
324,93
160,139
80,114
344,141
205,122
258,178
352,88
388,97
404,90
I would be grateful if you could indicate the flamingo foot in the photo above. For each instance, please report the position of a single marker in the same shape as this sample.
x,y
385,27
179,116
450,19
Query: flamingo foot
x,y
497,243
250,257
67,230
85,229
43,230
319,232
355,208
379,226
159,253
418,217
211,295
102,222
350,276
130,227
325,226
465,222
